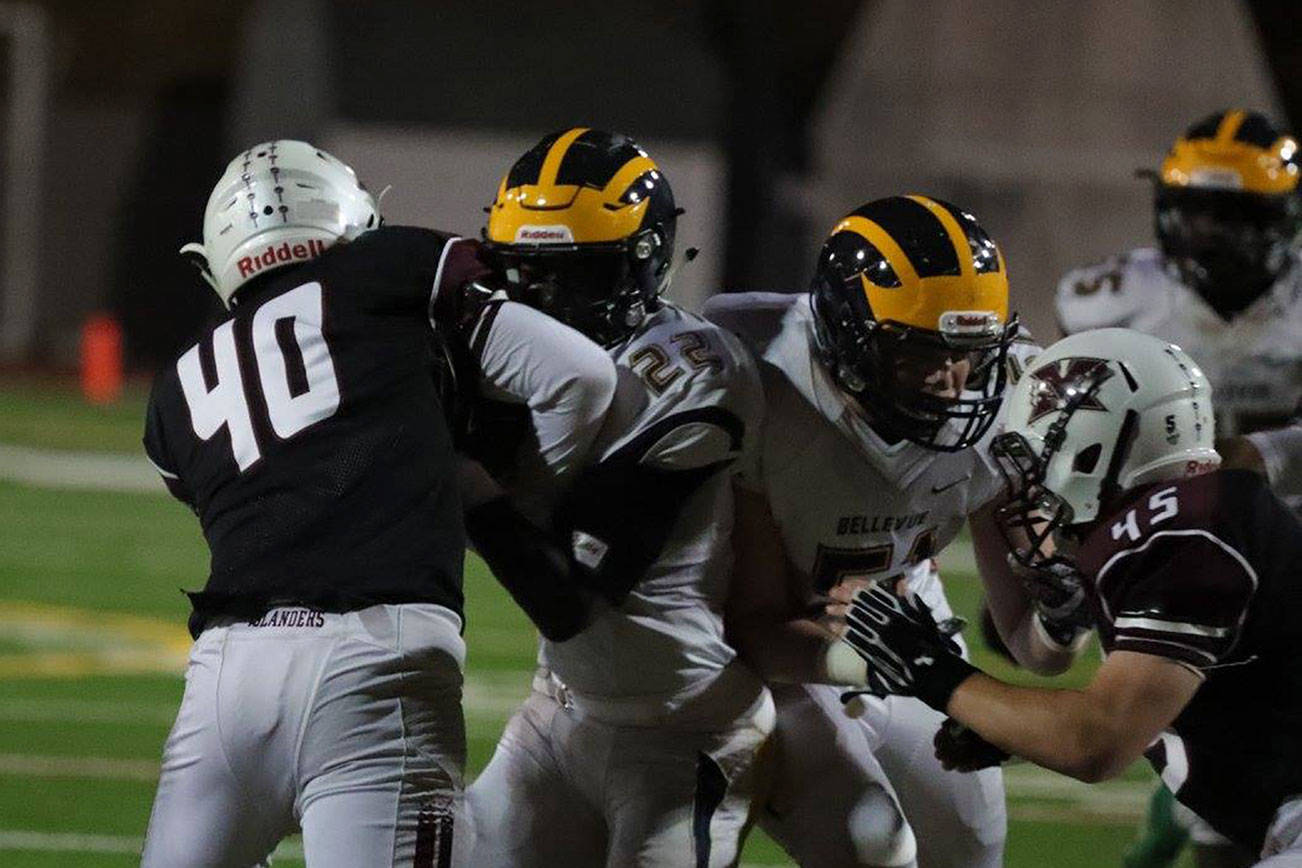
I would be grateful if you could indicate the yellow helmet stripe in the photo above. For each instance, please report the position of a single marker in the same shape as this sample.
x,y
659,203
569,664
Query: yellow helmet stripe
x,y
957,237
555,155
627,174
882,240
1229,126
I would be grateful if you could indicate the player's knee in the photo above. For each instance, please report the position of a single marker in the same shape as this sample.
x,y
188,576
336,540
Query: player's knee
x,y
882,836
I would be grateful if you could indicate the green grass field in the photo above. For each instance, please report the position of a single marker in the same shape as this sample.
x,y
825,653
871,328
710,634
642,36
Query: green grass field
x,y
92,648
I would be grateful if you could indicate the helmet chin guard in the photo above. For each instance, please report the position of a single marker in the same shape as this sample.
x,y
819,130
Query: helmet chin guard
x,y
277,204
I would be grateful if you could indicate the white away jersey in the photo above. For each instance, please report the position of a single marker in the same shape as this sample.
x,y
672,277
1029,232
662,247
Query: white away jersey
x,y
687,397
1254,361
849,504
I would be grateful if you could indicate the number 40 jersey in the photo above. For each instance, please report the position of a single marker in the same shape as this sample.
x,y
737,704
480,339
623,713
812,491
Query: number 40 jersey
x,y
305,430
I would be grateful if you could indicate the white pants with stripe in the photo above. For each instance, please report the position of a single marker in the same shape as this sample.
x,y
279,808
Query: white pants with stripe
x,y
566,787
347,726
844,785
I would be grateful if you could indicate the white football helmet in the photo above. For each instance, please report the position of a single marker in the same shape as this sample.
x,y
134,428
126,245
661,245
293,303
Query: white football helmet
x,y
1096,414
277,204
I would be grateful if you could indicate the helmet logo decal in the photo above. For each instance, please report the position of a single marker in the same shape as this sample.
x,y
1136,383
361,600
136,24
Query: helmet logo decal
x,y
251,265
1067,380
555,234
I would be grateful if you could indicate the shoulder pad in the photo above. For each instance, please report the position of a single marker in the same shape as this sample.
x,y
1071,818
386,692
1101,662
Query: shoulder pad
x,y
755,317
1109,293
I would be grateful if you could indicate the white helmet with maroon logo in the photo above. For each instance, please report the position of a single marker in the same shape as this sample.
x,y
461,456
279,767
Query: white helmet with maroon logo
x,y
277,204
1099,413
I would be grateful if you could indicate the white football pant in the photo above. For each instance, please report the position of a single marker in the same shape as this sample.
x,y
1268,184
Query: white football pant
x,y
840,781
567,789
347,726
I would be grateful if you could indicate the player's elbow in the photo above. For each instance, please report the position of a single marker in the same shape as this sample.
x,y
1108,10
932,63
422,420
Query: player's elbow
x,y
1101,765
1098,753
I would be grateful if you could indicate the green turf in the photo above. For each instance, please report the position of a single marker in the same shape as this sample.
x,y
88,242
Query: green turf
x,y
128,554
50,412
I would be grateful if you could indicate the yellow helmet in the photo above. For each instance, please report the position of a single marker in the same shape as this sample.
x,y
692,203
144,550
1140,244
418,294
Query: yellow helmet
x,y
905,286
1227,207
583,227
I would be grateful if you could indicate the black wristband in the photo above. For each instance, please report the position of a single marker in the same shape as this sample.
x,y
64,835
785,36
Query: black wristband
x,y
942,678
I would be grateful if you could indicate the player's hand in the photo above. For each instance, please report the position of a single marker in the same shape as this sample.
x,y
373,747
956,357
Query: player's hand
x,y
907,653
1057,591
960,749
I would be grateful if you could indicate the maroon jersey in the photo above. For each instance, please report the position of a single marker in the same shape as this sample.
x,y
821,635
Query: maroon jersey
x,y
1207,571
306,430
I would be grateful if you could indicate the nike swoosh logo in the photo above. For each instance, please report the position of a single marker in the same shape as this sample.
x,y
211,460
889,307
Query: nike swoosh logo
x,y
937,489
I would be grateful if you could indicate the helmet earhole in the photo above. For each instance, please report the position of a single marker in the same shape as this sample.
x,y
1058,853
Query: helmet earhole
x,y
1087,459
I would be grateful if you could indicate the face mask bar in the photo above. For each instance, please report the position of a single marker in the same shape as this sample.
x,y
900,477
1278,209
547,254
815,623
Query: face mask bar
x,y
591,288
1229,245
1032,514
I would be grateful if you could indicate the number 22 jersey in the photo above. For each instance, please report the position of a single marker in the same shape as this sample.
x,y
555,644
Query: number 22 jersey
x,y
306,432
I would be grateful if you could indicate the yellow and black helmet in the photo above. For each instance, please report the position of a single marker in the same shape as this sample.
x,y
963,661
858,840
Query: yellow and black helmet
x,y
905,286
1227,209
583,228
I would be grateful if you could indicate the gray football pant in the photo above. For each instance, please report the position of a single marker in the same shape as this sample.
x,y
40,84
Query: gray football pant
x,y
564,789
348,727
840,782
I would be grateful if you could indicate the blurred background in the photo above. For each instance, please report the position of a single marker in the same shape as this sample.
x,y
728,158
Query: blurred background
x,y
771,120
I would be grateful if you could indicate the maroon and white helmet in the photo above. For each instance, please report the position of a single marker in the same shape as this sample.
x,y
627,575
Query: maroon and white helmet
x,y
277,204
1101,412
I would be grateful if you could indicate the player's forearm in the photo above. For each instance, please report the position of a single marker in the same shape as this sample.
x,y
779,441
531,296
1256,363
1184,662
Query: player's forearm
x,y
1067,731
1011,606
792,652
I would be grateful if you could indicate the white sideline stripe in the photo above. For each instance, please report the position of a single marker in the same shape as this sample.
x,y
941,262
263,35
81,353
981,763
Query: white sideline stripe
x,y
479,699
1122,798
81,767
77,842
84,470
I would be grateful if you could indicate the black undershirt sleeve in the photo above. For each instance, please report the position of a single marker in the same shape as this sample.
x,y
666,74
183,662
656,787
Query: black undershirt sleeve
x,y
536,571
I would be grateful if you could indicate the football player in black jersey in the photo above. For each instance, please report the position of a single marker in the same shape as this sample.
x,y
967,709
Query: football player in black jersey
x,y
1192,576
306,430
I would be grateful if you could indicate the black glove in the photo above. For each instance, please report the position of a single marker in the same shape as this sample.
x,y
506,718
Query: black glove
x,y
907,654
1057,591
960,749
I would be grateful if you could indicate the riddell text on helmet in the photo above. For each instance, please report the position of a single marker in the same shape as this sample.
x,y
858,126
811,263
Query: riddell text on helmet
x,y
278,255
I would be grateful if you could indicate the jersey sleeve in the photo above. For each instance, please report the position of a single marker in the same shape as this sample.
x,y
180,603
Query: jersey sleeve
x,y
158,453
426,270
566,381
1096,296
1182,594
1281,453
621,511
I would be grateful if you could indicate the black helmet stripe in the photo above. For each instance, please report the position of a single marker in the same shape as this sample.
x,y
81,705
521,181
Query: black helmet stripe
x,y
1206,128
594,157
985,256
528,168
1257,130
919,233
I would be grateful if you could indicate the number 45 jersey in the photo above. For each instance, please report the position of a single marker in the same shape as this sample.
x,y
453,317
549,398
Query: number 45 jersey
x,y
849,504
306,432
1205,572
